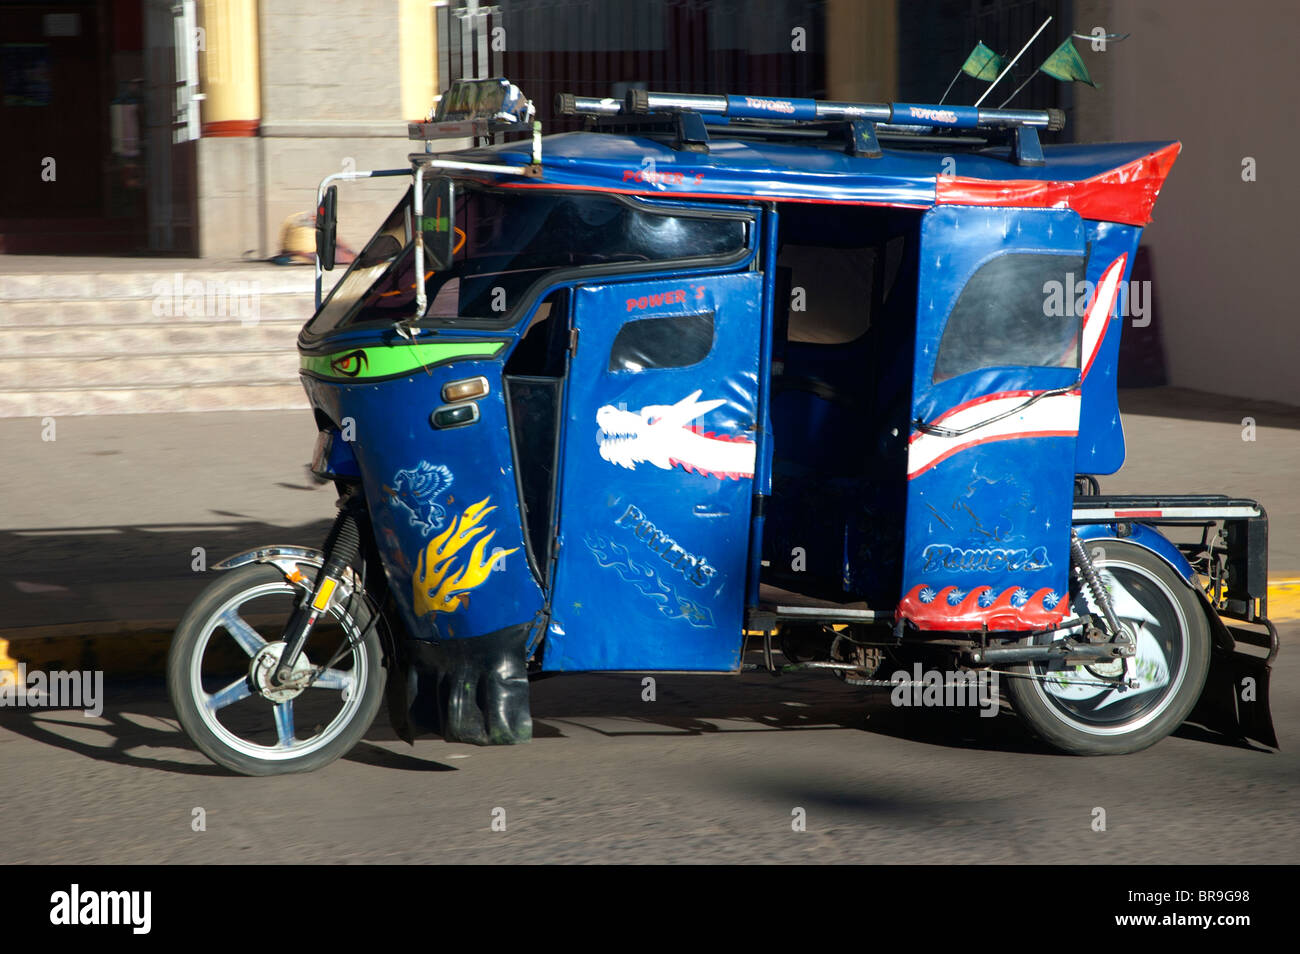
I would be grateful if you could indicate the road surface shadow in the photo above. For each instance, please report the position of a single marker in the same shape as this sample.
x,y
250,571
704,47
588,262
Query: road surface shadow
x,y
150,571
615,706
1199,733
138,727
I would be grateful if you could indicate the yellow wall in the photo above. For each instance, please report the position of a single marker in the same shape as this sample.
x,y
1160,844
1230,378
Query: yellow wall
x,y
229,72
417,57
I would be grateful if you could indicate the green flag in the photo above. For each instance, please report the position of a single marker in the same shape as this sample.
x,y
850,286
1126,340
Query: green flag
x,y
983,63
1066,64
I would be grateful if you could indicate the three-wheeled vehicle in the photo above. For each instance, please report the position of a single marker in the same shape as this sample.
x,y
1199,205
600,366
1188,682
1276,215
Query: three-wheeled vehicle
x,y
828,382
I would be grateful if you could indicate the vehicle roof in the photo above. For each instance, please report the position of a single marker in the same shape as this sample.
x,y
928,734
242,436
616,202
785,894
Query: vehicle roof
x,y
1109,181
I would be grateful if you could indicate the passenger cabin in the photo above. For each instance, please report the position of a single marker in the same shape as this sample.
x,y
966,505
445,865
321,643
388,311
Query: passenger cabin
x,y
855,206
908,264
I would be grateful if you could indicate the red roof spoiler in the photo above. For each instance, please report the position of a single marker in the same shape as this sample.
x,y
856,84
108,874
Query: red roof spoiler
x,y
1125,194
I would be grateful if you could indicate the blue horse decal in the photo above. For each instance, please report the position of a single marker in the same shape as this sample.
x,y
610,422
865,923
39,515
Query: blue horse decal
x,y
417,491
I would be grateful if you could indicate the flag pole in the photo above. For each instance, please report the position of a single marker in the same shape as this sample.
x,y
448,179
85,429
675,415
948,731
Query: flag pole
x,y
955,77
1018,89
1013,62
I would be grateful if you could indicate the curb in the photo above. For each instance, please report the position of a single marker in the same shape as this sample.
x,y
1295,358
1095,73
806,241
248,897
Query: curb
x,y
122,647
1284,600
7,662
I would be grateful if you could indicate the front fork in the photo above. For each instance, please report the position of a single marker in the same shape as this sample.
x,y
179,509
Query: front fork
x,y
342,547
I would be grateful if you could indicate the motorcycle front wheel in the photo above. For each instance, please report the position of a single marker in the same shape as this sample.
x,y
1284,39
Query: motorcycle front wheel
x,y
219,675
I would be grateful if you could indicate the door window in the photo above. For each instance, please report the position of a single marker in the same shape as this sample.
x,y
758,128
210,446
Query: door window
x,y
1014,312
677,341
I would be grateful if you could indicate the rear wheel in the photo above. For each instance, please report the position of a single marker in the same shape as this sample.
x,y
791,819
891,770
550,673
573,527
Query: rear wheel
x,y
219,675
1076,708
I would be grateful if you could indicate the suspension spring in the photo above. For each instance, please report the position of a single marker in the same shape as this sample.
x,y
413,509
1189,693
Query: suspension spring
x,y
1092,580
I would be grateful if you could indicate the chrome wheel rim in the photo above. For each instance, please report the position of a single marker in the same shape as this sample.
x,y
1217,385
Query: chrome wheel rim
x,y
348,681
1152,613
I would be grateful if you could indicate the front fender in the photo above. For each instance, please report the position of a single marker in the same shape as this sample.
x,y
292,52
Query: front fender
x,y
287,559
281,556
1146,537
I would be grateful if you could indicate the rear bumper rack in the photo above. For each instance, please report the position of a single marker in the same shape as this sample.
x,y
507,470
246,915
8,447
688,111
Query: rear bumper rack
x,y
1164,508
1242,540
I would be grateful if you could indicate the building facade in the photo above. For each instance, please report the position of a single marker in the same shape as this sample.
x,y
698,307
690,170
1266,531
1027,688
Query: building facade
x,y
199,127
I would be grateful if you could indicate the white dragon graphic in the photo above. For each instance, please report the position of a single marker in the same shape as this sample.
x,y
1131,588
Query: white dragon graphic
x,y
662,435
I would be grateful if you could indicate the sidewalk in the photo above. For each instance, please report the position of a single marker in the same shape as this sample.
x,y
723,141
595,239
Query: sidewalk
x,y
129,264
99,527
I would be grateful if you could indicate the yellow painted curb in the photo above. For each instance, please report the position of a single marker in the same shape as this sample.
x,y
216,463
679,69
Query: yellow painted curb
x,y
7,662
125,648
1284,600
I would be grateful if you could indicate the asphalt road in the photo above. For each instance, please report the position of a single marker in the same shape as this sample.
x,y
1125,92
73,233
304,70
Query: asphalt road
x,y
712,771
101,524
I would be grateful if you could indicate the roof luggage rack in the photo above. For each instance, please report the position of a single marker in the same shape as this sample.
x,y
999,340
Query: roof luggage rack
x,y
688,118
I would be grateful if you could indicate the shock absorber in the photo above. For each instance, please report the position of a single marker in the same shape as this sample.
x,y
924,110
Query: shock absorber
x,y
1091,579
341,548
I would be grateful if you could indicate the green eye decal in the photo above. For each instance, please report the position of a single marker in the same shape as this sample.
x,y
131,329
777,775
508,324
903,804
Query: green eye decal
x,y
351,364
389,361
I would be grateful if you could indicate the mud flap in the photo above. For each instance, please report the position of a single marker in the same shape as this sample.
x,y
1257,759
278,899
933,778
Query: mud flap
x,y
476,690
396,696
1234,701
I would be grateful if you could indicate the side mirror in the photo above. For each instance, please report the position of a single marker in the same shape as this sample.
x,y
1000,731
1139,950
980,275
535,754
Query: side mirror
x,y
440,224
327,218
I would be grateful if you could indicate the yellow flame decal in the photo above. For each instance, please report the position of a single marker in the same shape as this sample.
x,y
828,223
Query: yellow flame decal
x,y
438,582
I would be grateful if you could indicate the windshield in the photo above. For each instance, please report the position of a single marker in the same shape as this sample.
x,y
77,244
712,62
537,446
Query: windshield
x,y
507,240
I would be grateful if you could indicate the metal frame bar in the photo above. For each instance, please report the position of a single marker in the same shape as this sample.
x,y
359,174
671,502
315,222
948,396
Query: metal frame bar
x,y
1163,508
419,162
796,110
320,197
422,161
1163,514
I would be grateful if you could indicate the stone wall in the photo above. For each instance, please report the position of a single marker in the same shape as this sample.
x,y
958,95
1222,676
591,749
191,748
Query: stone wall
x,y
331,101
1214,77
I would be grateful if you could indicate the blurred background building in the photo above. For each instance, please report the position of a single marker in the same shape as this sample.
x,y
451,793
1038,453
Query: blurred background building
x,y
197,127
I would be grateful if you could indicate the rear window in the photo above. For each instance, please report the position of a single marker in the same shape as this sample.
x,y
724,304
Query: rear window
x,y
1007,316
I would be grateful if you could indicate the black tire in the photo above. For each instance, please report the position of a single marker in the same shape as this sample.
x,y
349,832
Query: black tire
x,y
1175,635
230,737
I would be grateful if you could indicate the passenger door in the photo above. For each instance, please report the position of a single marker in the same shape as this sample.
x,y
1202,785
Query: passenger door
x,y
995,414
657,465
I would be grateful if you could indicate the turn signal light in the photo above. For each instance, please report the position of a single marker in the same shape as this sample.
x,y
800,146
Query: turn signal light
x,y
465,390
455,415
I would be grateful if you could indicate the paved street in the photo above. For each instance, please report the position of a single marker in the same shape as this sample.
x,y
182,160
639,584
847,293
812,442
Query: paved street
x,y
711,771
